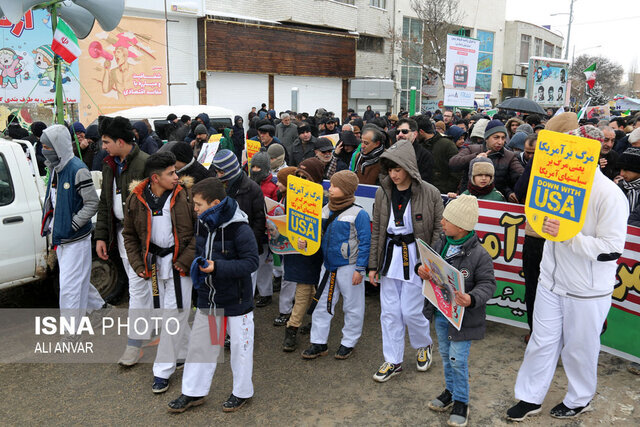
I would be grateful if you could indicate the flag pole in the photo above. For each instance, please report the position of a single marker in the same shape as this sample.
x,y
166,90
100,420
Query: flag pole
x,y
59,102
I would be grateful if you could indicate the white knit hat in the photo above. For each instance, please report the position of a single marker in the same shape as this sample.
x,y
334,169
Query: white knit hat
x,y
462,212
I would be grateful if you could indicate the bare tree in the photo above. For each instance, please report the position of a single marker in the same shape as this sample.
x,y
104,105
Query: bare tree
x,y
608,76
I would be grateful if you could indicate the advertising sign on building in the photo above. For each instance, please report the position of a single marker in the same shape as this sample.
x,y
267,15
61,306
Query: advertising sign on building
x,y
547,81
460,74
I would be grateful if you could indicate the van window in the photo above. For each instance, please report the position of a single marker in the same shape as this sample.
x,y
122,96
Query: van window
x,y
220,123
6,186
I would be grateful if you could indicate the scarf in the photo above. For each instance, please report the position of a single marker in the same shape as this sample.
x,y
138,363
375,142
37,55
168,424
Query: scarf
x,y
480,191
156,203
454,242
277,163
399,202
369,159
338,203
331,167
632,191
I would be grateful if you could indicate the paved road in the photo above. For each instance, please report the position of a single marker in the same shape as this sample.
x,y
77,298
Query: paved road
x,y
292,391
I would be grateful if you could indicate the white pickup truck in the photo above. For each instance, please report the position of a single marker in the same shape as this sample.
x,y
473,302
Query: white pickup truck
x,y
26,256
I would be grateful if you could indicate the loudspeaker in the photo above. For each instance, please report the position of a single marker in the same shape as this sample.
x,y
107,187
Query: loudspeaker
x,y
14,10
80,20
107,13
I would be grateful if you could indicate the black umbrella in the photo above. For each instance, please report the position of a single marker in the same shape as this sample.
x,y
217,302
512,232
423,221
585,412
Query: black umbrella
x,y
523,105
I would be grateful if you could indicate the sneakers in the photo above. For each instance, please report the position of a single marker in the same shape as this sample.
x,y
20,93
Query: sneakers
x,y
459,414
289,343
562,411
263,301
276,283
386,371
423,358
522,410
343,352
234,403
131,356
315,351
442,402
227,341
160,385
281,320
184,402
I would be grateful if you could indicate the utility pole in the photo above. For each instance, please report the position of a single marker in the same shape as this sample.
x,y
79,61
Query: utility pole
x,y
566,51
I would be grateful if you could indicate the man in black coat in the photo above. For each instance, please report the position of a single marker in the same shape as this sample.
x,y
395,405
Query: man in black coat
x,y
186,164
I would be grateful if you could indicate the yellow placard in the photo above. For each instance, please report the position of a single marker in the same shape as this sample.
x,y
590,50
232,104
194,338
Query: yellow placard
x,y
304,213
216,137
252,148
560,185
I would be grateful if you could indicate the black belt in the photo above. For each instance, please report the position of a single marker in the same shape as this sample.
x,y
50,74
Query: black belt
x,y
331,276
156,252
402,240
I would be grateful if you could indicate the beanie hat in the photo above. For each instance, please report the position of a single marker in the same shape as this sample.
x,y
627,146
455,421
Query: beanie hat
x,y
38,127
45,50
276,155
77,128
517,140
629,160
494,126
260,160
346,181
526,128
479,128
563,122
440,125
182,151
481,166
588,131
284,173
455,132
348,138
200,129
92,133
312,168
634,136
227,162
304,128
462,212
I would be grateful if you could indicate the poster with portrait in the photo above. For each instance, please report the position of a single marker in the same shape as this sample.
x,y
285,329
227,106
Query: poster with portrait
x,y
547,81
123,68
277,228
430,84
460,74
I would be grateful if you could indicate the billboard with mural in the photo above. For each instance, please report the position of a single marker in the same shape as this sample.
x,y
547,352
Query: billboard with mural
x,y
123,68
547,81
461,67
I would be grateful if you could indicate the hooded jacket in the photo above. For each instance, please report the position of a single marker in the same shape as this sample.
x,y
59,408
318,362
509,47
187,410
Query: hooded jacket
x,y
76,198
145,141
226,143
194,170
137,227
238,138
249,197
442,149
426,204
223,236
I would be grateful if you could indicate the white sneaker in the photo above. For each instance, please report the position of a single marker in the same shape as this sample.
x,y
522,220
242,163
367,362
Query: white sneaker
x,y
131,356
423,358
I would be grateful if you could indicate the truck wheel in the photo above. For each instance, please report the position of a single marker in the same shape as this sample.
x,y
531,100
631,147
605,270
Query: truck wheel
x,y
108,278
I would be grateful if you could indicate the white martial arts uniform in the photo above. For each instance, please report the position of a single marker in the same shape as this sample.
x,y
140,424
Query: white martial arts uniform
x,y
287,293
352,305
200,365
401,301
263,277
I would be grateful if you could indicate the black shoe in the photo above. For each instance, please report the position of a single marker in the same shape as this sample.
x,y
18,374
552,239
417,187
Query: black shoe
x,y
442,402
160,385
562,411
227,341
281,320
306,329
522,410
343,352
234,403
459,414
316,350
289,343
263,301
276,283
184,402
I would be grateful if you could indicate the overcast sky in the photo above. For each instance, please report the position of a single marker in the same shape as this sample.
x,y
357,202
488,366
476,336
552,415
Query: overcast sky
x,y
612,25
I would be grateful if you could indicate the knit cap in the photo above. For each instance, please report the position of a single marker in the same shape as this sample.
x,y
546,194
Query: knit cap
x,y
283,174
462,212
312,168
349,138
227,162
182,151
262,161
517,141
563,122
200,129
630,160
526,128
276,155
481,166
588,131
346,181
479,128
634,136
494,126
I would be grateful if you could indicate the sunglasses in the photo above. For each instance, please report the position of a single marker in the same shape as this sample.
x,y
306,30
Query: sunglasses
x,y
403,131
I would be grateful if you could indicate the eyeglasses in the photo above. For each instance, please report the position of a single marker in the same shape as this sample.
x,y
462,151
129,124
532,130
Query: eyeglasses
x,y
403,131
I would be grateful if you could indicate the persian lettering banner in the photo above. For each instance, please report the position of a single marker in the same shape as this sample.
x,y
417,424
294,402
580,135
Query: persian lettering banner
x,y
304,213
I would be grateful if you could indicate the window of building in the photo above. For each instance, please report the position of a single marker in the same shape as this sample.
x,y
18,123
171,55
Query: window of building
x,y
558,53
351,2
466,32
382,4
525,43
411,68
538,47
6,186
485,61
370,44
548,50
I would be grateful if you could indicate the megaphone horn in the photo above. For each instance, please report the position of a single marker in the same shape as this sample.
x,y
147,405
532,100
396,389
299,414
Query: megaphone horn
x,y
95,51
81,21
14,10
107,13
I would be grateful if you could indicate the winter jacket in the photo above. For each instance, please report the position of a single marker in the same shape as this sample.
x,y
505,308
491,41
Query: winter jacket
x,y
133,170
493,195
424,158
269,188
226,143
145,141
274,141
507,167
286,135
300,151
224,237
137,227
442,149
195,170
585,265
426,205
347,239
476,265
371,175
250,199
238,138
611,170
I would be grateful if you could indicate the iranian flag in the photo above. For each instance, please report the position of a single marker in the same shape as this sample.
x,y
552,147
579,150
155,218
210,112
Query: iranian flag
x,y
65,42
590,75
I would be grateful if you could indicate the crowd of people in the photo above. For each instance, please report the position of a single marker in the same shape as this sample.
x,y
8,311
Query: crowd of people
x,y
178,226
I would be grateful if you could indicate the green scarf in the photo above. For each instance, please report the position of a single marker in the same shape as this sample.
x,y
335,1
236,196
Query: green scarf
x,y
453,242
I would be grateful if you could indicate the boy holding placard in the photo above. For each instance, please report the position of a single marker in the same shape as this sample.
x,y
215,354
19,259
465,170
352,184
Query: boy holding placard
x,y
461,248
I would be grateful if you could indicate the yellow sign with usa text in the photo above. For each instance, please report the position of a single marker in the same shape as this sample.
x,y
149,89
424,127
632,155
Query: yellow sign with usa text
x,y
304,214
560,185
